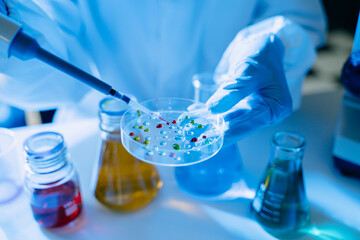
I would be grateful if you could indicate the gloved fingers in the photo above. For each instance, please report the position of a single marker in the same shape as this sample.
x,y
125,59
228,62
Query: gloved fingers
x,y
250,114
238,130
249,73
223,100
199,110
194,111
242,82
247,116
197,107
232,92
245,108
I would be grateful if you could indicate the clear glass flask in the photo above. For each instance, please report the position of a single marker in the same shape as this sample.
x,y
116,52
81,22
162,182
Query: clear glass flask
x,y
216,175
51,180
122,182
280,204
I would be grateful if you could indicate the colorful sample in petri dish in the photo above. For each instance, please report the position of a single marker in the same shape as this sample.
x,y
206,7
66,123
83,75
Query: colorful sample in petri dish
x,y
184,137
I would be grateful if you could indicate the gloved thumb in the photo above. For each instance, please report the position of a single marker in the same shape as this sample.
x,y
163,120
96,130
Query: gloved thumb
x,y
228,95
235,89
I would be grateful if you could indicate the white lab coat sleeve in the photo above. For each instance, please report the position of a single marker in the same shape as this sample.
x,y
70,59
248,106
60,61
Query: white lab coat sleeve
x,y
31,84
301,26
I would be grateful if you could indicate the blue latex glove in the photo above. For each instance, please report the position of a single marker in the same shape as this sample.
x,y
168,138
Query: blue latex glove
x,y
256,93
266,64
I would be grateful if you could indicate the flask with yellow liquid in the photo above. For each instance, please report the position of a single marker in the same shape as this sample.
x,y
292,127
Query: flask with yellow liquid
x,y
122,182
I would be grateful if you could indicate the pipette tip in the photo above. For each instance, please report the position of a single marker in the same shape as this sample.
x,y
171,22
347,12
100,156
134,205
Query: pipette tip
x,y
120,96
134,104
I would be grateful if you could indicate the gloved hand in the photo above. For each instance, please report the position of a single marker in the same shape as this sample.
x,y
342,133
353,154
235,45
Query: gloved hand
x,y
256,93
266,63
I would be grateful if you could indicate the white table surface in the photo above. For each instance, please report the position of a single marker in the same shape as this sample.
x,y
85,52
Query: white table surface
x,y
174,214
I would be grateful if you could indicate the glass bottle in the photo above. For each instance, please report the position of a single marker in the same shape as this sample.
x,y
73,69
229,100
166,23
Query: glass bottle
x,y
122,182
51,180
280,204
346,142
216,175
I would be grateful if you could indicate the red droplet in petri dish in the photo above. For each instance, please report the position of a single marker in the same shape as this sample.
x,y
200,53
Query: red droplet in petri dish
x,y
159,126
193,140
131,134
204,137
174,121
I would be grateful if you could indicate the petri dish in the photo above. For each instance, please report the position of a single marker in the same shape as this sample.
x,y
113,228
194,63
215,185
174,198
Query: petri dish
x,y
183,138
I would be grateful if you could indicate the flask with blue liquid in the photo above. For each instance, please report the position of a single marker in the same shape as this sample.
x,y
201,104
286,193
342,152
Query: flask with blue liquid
x,y
216,175
346,142
280,204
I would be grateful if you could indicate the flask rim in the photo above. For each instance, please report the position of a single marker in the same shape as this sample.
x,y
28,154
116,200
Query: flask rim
x,y
289,141
42,135
112,107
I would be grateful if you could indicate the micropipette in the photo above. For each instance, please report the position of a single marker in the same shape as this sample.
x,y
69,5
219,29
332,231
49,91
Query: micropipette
x,y
14,42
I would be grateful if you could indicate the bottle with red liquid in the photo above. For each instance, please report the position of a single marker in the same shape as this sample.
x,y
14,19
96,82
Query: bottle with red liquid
x,y
51,180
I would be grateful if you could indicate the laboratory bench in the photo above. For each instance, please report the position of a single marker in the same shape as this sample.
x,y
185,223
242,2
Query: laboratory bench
x,y
177,215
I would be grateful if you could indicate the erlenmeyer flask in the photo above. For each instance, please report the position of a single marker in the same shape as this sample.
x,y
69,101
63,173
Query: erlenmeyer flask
x,y
214,176
280,204
122,181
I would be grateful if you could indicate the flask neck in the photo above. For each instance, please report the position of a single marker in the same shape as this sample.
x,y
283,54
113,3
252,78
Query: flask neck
x,y
287,151
110,113
46,152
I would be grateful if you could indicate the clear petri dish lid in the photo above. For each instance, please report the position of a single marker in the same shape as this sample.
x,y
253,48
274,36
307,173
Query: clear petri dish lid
x,y
189,134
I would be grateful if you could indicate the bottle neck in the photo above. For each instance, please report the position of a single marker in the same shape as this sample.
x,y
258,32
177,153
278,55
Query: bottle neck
x,y
287,151
109,123
285,160
46,152
287,154
110,113
48,164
